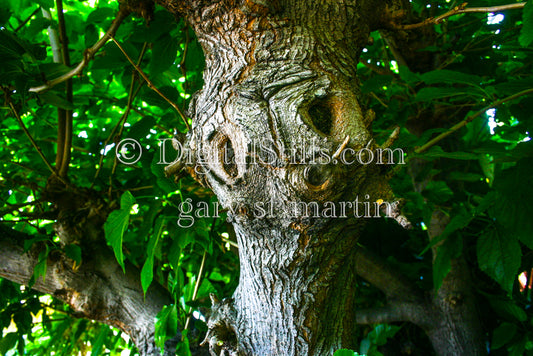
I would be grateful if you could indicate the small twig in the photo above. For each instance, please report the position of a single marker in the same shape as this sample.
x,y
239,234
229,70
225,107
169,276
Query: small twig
x,y
378,99
392,138
121,122
470,118
341,148
151,85
121,130
196,288
231,243
23,23
87,55
461,9
139,188
34,144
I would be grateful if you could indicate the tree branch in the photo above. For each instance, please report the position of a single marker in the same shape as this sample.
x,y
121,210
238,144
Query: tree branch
x,y
395,312
381,275
151,84
88,54
461,9
470,118
65,116
98,290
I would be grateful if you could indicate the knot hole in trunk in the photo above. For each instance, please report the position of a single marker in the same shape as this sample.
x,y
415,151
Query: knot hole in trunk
x,y
320,114
227,156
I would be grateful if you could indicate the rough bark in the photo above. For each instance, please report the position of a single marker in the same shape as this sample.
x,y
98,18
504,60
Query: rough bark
x,y
280,87
456,329
98,290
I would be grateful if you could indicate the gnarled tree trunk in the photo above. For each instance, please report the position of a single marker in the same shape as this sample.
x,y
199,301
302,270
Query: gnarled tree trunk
x,y
271,127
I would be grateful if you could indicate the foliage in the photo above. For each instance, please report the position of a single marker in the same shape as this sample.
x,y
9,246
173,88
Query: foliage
x,y
143,230
479,177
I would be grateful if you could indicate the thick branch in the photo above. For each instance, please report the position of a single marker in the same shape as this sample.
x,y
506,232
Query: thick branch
x,y
382,276
395,312
64,116
98,290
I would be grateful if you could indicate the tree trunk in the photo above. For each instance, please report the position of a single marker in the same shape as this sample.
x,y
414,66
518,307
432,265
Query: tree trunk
x,y
278,111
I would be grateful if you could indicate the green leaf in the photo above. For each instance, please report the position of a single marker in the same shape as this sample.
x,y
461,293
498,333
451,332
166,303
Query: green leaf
x,y
147,272
74,253
503,334
511,208
183,348
91,35
438,192
100,14
206,288
437,152
166,185
376,83
8,342
526,34
175,252
345,352
47,4
428,94
499,256
117,223
449,250
155,99
40,268
432,93
517,348
450,77
141,128
29,243
507,309
465,177
164,53
408,76
457,222
53,99
487,202
166,325
98,344
512,86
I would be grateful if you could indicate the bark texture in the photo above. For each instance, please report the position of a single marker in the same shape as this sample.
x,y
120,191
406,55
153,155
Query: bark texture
x,y
280,92
98,290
